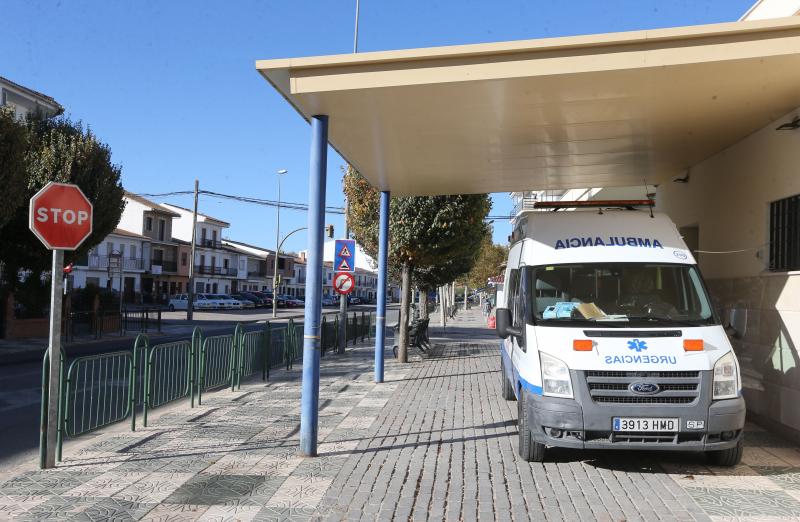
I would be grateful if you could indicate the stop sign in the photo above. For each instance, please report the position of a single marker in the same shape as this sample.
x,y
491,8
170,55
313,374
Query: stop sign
x,y
61,216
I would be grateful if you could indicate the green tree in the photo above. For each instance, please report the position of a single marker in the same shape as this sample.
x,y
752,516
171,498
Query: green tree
x,y
57,149
425,232
13,175
490,258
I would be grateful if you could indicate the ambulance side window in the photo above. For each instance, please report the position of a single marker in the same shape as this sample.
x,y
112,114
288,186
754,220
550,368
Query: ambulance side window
x,y
515,302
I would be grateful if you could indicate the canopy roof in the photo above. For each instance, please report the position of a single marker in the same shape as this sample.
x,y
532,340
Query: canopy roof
x,y
600,110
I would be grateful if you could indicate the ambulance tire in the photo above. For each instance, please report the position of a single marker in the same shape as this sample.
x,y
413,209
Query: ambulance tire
x,y
507,391
728,457
529,450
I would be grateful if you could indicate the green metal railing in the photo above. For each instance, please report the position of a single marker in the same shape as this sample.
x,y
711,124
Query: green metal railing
x,y
251,352
98,392
169,375
329,338
104,389
217,363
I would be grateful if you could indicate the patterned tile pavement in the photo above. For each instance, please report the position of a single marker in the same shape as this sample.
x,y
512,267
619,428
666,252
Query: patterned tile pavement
x,y
435,442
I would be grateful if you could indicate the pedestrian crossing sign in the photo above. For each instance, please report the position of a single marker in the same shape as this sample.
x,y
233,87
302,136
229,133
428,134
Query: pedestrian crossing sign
x,y
344,255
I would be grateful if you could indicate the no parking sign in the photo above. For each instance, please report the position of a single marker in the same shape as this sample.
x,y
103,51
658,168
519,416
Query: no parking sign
x,y
343,283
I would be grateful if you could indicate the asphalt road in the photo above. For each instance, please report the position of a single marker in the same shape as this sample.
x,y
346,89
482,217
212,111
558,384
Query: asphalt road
x,y
20,383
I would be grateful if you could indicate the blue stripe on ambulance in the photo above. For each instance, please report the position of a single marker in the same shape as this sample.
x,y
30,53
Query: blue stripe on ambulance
x,y
515,376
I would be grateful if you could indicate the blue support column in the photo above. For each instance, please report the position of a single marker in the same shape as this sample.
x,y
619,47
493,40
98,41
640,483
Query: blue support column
x,y
383,265
309,405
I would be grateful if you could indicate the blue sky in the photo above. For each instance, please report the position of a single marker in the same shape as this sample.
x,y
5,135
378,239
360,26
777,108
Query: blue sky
x,y
172,88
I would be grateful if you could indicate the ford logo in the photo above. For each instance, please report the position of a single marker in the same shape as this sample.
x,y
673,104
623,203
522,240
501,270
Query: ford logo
x,y
644,388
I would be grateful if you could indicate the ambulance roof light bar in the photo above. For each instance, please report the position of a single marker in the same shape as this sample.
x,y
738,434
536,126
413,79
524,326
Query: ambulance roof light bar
x,y
596,203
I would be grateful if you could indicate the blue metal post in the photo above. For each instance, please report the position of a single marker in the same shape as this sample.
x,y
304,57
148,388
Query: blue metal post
x,y
309,405
383,262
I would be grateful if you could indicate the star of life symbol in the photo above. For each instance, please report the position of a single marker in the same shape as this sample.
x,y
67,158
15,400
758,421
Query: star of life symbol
x,y
638,345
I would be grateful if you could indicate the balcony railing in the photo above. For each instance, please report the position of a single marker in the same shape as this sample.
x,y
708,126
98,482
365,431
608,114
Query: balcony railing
x,y
257,273
101,263
527,202
209,243
215,270
524,204
166,266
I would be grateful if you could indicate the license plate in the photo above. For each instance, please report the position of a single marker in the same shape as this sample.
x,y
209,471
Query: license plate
x,y
645,424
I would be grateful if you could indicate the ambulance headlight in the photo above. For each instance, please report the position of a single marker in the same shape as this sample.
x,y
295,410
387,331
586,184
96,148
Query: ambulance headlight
x,y
726,377
555,377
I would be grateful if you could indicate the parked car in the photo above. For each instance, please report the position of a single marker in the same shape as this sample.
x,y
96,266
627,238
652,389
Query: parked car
x,y
353,299
330,300
293,302
230,302
258,301
246,301
265,297
209,302
180,302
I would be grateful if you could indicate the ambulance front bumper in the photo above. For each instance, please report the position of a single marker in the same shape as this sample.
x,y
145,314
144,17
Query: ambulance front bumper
x,y
586,423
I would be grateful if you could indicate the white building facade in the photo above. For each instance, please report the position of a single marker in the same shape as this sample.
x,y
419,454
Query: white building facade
x,y
216,267
24,101
101,267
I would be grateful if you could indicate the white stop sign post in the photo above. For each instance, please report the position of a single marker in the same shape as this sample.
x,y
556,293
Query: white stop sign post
x,y
61,217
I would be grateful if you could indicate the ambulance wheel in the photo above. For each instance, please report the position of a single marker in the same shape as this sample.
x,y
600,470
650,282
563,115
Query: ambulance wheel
x,y
507,392
728,457
529,450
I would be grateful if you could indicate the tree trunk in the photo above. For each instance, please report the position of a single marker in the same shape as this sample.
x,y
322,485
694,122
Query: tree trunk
x,y
465,296
423,304
441,307
405,301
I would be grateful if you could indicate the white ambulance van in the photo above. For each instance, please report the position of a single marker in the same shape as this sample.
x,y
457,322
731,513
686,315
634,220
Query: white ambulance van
x,y
610,340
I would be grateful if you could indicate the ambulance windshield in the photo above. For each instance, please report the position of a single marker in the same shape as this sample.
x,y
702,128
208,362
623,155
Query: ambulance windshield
x,y
618,294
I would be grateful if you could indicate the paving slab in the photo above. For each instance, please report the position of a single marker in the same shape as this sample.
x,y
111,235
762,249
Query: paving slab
x,y
434,442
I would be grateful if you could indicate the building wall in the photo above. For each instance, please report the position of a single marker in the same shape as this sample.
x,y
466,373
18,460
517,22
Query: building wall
x,y
764,9
156,217
23,104
131,219
727,198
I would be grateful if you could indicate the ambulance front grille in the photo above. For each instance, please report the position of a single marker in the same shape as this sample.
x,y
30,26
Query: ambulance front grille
x,y
613,387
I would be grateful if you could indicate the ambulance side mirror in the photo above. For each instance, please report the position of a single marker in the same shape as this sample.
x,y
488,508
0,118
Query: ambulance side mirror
x,y
504,323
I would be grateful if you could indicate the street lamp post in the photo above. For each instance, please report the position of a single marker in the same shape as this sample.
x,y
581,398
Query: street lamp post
x,y
117,257
277,247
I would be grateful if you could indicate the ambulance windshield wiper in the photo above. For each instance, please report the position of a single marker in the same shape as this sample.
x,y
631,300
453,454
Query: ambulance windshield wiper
x,y
655,318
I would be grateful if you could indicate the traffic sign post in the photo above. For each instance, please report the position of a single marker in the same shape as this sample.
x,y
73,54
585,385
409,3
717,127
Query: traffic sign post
x,y
344,260
61,217
343,283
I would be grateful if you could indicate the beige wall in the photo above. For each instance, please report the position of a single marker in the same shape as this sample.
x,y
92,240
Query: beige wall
x,y
728,197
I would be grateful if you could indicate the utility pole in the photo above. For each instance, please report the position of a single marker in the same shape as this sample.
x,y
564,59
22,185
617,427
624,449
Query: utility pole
x,y
121,289
355,37
190,292
343,298
277,247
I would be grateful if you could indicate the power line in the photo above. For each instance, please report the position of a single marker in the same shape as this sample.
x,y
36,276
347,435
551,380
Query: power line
x,y
244,199
264,202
